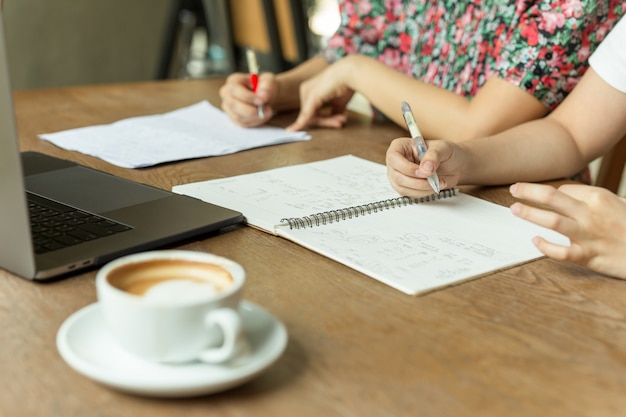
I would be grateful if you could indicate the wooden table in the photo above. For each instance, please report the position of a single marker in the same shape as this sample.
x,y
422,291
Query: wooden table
x,y
545,338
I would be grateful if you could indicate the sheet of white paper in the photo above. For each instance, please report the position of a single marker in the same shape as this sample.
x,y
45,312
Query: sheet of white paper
x,y
196,131
414,249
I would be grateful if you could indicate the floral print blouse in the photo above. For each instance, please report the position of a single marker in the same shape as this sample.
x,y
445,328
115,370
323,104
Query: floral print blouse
x,y
542,46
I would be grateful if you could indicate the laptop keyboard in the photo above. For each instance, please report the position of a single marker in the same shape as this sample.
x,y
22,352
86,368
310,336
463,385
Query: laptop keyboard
x,y
56,226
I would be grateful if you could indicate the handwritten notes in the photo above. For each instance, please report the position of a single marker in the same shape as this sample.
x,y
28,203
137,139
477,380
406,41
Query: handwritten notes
x,y
196,131
415,249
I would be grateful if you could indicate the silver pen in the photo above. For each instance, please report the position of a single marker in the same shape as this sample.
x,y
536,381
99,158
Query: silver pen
x,y
415,133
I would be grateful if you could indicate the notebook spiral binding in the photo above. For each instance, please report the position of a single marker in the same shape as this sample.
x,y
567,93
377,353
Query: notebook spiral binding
x,y
331,216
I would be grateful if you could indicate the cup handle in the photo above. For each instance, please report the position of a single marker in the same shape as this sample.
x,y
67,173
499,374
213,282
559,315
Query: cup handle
x,y
229,321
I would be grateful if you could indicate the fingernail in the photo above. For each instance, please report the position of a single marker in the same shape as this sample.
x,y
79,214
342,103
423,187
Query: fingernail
x,y
513,188
428,167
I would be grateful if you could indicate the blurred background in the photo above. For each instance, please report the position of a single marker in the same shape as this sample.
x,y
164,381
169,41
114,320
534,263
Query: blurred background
x,y
69,42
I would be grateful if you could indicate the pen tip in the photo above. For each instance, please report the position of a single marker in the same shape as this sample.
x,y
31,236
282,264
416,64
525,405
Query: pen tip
x,y
433,181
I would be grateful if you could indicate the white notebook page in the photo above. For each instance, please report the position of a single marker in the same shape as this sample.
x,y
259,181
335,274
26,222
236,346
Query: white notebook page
x,y
414,249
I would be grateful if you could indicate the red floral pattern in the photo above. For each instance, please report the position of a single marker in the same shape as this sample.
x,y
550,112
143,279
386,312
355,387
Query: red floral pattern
x,y
541,46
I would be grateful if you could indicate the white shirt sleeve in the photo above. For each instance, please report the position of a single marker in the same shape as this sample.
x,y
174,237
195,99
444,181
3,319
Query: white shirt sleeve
x,y
609,59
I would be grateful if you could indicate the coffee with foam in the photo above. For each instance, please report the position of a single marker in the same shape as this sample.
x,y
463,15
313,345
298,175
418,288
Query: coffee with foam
x,y
174,306
171,280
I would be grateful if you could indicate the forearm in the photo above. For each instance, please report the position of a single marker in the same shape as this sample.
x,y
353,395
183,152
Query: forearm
x,y
385,88
534,151
442,114
585,126
288,95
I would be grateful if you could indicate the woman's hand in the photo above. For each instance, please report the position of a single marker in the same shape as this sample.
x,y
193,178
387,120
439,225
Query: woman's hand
x,y
593,218
408,177
241,104
329,87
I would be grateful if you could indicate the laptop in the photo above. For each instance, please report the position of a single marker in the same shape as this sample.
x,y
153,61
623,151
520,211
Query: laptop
x,y
58,217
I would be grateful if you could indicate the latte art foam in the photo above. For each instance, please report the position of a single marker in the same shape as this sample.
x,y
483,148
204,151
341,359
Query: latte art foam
x,y
179,290
171,280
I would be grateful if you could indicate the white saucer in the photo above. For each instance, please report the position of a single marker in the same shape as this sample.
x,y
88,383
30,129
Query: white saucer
x,y
88,348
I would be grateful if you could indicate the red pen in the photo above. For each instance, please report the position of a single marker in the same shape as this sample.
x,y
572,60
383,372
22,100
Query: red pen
x,y
253,67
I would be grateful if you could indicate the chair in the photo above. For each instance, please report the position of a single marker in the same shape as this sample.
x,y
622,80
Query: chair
x,y
276,29
612,167
184,17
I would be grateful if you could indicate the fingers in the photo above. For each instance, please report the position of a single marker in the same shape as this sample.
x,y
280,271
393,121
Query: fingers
x,y
326,88
558,211
549,197
241,104
265,89
309,105
403,173
336,121
429,163
551,216
237,87
554,251
247,115
591,217
596,198
307,114
545,218
401,156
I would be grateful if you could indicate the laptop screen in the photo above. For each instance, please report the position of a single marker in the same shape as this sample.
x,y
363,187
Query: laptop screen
x,y
14,221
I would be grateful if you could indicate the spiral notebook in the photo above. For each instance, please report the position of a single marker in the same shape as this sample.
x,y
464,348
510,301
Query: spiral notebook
x,y
345,209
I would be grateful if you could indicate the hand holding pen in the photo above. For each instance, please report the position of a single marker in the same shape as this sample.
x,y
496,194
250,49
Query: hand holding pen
x,y
253,68
420,144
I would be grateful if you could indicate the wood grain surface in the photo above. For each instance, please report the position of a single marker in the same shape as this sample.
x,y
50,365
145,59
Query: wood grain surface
x,y
541,339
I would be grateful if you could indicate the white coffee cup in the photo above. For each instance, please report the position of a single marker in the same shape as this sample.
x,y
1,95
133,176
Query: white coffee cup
x,y
173,306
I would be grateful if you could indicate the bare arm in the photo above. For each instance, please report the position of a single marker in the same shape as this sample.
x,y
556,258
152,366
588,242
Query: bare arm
x,y
443,114
586,125
439,112
288,97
